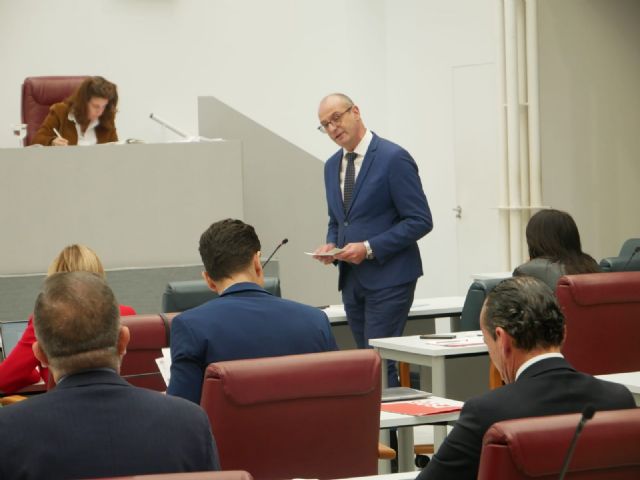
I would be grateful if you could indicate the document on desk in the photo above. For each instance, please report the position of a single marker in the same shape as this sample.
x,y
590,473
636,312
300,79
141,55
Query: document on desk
x,y
427,406
164,365
330,253
461,340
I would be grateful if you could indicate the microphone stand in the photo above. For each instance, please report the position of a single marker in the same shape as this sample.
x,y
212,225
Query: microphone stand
x,y
587,414
283,242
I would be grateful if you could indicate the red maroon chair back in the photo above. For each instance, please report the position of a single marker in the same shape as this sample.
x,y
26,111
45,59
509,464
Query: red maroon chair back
x,y
602,312
535,448
149,335
223,475
300,416
39,93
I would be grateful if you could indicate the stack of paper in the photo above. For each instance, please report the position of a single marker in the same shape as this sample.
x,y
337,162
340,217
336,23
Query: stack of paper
x,y
164,365
427,406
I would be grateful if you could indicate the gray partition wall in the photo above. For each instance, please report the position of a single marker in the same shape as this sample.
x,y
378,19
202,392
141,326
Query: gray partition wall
x,y
140,206
283,197
136,205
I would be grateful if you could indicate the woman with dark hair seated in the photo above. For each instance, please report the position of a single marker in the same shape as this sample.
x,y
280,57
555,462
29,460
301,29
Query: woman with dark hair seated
x,y
554,248
87,117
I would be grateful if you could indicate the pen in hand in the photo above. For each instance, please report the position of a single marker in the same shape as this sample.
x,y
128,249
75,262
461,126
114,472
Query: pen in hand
x,y
60,140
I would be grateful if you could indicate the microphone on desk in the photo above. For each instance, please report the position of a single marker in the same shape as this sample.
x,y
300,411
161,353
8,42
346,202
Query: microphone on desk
x,y
633,254
587,414
167,125
284,241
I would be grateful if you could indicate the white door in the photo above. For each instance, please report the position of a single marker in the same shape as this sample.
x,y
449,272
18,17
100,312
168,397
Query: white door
x,y
481,243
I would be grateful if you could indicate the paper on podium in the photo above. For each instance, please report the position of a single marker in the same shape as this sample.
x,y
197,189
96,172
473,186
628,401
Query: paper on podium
x,y
330,253
164,365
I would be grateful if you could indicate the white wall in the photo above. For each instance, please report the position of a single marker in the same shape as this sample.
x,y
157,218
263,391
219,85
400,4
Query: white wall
x,y
273,61
590,117
426,41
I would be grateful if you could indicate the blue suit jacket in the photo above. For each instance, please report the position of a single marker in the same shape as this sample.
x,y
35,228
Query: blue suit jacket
x,y
246,321
388,208
95,424
548,387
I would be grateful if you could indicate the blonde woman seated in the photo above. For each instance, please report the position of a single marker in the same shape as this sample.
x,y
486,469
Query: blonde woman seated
x,y
21,368
554,248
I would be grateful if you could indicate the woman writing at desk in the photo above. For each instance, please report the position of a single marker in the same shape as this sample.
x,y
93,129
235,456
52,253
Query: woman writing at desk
x,y
87,117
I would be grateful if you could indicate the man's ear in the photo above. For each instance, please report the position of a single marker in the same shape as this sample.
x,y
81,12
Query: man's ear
x,y
123,340
257,267
40,355
210,283
257,264
505,342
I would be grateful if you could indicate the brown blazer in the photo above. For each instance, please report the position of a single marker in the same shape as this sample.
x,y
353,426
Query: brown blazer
x,y
58,118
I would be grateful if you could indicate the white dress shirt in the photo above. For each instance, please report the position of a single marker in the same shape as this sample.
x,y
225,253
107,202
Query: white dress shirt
x,y
89,136
536,359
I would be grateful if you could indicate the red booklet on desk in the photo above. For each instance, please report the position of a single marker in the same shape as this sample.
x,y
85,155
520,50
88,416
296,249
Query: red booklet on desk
x,y
427,406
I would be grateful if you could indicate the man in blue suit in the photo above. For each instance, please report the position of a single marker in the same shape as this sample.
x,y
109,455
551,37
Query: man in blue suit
x,y
377,213
246,321
94,424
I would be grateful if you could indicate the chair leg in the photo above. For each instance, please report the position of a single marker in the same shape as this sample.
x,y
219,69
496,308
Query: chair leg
x,y
405,381
405,374
385,453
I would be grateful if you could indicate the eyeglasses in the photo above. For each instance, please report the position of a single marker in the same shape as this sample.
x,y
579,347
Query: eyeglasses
x,y
335,120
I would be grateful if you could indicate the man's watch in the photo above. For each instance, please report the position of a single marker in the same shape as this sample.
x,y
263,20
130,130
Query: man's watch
x,y
370,255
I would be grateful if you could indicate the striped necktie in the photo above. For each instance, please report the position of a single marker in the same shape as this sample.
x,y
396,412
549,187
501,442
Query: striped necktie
x,y
349,179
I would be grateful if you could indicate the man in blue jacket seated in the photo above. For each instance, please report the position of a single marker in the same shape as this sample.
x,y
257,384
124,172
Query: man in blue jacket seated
x,y
94,424
246,321
523,328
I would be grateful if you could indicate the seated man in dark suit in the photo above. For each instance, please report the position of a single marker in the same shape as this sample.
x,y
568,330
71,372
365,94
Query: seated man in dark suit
x,y
246,321
94,424
523,328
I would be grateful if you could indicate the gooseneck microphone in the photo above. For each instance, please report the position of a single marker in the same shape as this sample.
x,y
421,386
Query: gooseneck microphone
x,y
587,414
635,250
284,241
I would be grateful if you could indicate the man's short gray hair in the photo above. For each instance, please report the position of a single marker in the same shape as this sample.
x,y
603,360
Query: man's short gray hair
x,y
77,322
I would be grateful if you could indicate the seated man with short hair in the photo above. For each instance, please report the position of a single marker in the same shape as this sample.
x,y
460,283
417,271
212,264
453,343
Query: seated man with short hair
x,y
246,321
93,423
523,328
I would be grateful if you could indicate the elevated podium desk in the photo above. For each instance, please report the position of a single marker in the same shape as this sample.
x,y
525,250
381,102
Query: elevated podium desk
x,y
137,205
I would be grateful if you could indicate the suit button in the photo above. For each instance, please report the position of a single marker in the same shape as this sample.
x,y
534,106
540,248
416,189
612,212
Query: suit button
x,y
346,224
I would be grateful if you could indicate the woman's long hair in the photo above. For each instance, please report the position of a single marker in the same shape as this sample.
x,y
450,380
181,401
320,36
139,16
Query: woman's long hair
x,y
553,234
97,87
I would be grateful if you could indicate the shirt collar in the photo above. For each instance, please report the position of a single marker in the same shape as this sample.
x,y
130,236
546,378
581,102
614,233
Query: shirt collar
x,y
243,287
363,146
103,369
92,123
537,359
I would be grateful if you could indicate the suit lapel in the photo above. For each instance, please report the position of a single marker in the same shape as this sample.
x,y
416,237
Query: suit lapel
x,y
364,170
